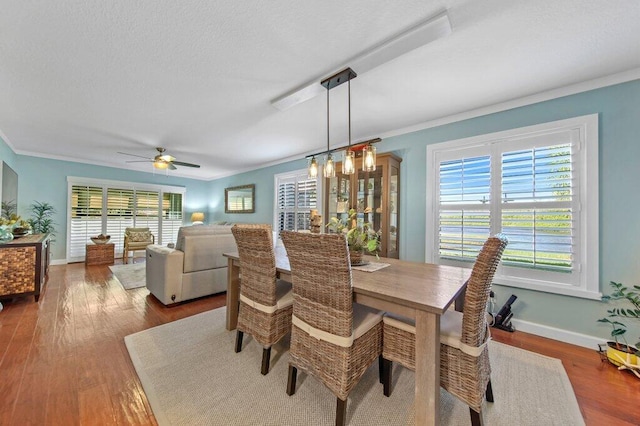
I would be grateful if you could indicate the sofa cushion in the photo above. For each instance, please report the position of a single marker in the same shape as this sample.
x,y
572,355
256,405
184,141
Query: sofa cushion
x,y
200,230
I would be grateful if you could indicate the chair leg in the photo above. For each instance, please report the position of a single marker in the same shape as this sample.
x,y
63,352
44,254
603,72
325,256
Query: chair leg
x,y
381,369
239,335
266,357
291,382
386,376
476,418
489,393
341,412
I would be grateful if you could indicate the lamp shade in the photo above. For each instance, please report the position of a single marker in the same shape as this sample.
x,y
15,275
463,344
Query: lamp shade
x,y
197,217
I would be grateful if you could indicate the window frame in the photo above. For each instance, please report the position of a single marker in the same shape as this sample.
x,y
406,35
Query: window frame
x,y
135,187
296,175
584,280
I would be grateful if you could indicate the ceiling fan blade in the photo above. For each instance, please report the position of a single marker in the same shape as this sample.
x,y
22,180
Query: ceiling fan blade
x,y
180,163
139,161
171,166
134,155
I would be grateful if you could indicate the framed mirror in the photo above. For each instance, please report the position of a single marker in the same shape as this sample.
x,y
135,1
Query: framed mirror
x,y
240,199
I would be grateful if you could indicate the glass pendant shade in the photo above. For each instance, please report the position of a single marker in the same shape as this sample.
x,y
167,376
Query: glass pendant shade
x,y
160,165
313,168
329,167
349,162
369,158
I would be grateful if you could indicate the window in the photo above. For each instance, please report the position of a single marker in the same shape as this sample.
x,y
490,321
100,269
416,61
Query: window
x,y
538,186
296,195
108,207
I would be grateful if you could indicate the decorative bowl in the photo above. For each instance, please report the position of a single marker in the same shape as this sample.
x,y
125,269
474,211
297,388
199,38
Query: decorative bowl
x,y
97,240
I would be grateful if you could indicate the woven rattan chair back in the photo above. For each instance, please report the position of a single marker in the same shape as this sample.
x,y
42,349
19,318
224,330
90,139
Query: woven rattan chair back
x,y
474,322
321,276
257,262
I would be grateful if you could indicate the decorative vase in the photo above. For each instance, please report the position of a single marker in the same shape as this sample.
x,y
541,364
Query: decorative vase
x,y
6,234
355,256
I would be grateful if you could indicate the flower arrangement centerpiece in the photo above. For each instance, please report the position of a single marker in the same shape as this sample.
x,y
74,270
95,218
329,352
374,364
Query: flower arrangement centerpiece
x,y
12,225
360,235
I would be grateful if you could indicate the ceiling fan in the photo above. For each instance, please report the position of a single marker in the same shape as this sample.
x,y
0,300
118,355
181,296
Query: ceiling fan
x,y
161,161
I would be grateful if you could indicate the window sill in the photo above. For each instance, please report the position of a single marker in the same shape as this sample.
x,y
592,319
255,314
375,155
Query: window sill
x,y
561,289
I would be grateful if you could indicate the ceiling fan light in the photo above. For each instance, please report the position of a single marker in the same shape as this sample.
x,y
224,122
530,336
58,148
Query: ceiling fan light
x,y
160,164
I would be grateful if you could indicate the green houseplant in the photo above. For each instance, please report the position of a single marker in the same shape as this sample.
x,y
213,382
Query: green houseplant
x,y
361,237
621,353
42,218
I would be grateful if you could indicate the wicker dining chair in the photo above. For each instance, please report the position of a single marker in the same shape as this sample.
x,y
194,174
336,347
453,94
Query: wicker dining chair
x,y
266,303
465,371
332,338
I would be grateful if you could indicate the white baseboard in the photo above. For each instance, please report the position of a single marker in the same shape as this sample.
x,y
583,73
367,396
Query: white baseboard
x,y
574,338
58,262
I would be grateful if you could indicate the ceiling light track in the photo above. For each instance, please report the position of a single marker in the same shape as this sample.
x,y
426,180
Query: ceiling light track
x,y
419,35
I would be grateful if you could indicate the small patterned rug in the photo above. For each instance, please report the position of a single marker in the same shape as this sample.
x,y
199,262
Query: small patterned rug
x,y
131,276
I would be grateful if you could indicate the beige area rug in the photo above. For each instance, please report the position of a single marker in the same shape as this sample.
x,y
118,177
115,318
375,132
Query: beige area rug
x,y
132,275
192,376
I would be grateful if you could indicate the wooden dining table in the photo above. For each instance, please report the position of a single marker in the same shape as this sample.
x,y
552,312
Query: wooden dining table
x,y
422,291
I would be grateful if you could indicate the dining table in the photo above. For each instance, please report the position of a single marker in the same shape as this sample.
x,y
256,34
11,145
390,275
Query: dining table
x,y
417,290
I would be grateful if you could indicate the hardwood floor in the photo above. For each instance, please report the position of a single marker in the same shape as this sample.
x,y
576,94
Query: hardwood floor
x,y
63,360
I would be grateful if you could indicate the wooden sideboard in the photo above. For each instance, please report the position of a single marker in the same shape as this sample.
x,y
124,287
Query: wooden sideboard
x,y
24,266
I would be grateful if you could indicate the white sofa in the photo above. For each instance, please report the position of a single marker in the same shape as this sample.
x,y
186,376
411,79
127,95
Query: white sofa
x,y
195,268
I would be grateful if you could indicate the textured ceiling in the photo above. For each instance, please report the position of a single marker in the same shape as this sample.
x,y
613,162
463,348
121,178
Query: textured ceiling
x,y
83,79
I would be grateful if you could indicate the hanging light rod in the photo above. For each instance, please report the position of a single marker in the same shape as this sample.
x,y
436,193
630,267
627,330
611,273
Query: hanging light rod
x,y
358,146
338,78
424,32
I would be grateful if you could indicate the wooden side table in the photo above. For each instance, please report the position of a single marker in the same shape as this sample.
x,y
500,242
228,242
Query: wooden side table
x,y
100,254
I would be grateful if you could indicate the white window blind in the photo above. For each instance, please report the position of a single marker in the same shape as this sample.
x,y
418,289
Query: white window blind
x,y
529,184
464,200
119,215
296,196
86,218
109,207
537,209
171,217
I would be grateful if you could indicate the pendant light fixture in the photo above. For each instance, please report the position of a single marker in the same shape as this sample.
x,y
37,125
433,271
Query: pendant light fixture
x,y
349,157
312,168
348,162
329,166
369,158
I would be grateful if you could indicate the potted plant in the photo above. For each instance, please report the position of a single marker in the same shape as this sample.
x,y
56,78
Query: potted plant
x,y
619,353
361,237
41,221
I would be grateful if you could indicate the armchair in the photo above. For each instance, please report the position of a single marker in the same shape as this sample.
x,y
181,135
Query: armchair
x,y
136,239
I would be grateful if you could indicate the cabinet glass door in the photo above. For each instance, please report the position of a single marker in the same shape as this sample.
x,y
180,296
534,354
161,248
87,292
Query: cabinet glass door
x,y
339,196
393,211
369,197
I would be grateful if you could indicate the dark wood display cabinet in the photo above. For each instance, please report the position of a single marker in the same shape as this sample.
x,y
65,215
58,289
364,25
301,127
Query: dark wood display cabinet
x,y
24,266
374,195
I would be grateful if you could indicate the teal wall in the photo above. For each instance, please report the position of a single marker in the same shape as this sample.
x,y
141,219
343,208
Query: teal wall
x,y
618,108
42,179
7,155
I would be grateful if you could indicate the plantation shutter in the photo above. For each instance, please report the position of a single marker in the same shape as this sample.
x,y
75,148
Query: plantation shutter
x,y
537,206
464,210
171,217
86,219
296,196
119,215
146,214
